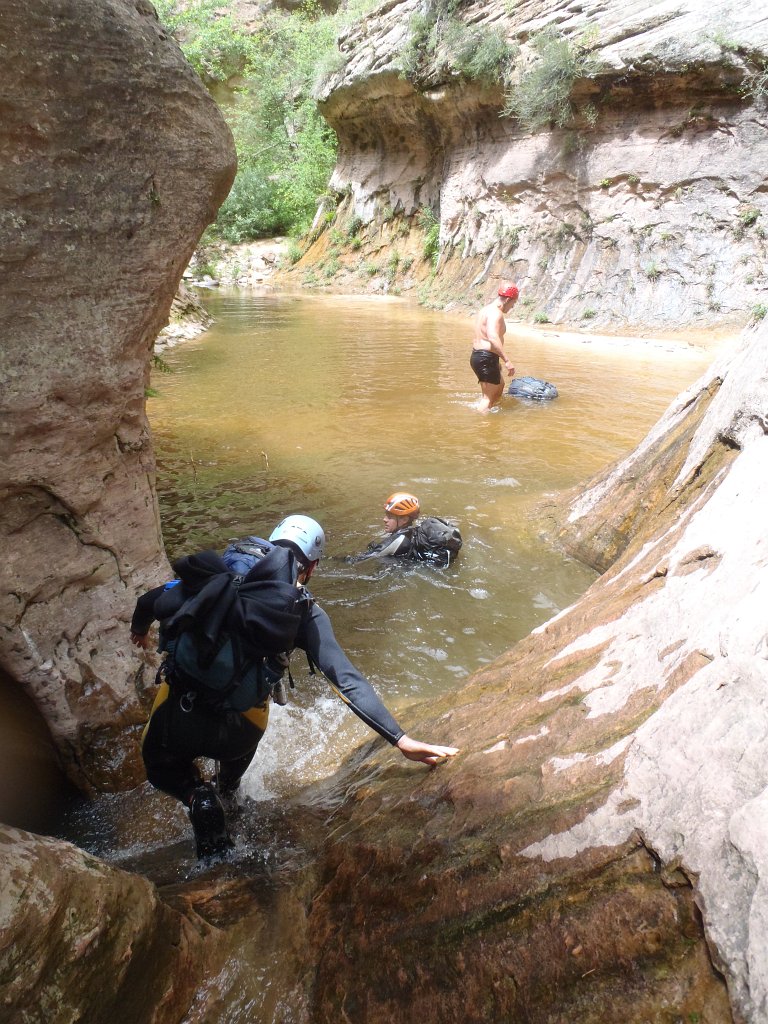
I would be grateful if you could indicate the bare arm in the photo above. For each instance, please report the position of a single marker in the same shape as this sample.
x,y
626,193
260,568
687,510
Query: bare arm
x,y
496,328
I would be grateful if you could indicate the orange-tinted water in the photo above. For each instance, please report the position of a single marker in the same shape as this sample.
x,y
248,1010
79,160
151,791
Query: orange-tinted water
x,y
325,405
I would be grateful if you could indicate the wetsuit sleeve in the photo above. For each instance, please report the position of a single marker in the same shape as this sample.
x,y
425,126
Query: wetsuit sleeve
x,y
144,612
398,544
317,638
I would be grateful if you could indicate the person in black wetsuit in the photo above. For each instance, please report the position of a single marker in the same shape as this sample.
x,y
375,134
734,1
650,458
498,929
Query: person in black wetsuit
x,y
176,735
401,510
433,540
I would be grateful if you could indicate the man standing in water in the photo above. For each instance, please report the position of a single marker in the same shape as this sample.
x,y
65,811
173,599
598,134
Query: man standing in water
x,y
230,597
488,346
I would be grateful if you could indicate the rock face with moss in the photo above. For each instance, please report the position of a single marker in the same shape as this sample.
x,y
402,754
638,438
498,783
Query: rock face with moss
x,y
622,185
115,159
84,941
598,849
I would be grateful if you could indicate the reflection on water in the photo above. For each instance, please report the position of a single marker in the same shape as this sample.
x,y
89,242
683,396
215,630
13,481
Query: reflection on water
x,y
325,405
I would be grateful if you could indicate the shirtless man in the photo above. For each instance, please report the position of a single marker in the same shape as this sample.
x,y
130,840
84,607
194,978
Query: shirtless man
x,y
488,346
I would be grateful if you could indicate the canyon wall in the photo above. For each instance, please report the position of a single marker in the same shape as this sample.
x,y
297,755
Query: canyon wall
x,y
80,940
114,159
646,208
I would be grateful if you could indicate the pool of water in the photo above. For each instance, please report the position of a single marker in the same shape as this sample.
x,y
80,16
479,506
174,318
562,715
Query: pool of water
x,y
325,405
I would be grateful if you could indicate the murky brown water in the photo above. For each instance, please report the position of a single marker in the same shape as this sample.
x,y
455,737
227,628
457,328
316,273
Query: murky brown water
x,y
325,405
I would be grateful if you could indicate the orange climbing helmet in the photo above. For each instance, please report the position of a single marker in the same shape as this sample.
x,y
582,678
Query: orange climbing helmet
x,y
402,504
507,290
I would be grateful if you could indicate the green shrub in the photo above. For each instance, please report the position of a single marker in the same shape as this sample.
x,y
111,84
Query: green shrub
x,y
755,85
589,314
542,96
212,41
478,54
541,318
286,151
159,364
332,268
759,312
440,45
253,209
430,225
294,252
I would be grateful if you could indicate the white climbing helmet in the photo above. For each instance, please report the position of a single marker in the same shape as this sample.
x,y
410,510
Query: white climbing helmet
x,y
303,534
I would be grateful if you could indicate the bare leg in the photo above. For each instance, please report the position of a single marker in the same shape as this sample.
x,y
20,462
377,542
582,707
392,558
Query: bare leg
x,y
491,395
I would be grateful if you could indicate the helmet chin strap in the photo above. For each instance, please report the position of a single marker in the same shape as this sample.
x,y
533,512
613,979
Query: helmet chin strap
x,y
306,572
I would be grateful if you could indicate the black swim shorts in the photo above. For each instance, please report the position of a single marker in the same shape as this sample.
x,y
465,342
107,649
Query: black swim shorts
x,y
486,366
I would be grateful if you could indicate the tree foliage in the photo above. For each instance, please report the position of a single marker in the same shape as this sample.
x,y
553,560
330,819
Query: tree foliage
x,y
286,151
212,41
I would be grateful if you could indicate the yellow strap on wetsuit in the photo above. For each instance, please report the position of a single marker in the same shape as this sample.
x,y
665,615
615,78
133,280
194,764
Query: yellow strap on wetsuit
x,y
258,716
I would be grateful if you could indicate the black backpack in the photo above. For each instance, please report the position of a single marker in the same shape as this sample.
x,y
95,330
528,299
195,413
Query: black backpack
x,y
229,628
435,540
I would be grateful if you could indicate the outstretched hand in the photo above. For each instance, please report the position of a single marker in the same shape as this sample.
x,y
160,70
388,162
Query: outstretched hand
x,y
140,640
427,753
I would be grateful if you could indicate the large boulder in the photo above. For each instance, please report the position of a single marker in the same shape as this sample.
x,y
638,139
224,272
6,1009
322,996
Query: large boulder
x,y
82,941
114,159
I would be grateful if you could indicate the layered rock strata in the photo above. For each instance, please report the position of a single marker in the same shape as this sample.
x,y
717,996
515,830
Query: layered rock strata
x,y
114,160
646,208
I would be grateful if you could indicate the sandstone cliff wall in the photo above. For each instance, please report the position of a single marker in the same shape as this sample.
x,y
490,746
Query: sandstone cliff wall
x,y
114,159
647,208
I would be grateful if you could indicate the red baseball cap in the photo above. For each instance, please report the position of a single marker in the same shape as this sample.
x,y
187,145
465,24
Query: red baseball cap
x,y
507,290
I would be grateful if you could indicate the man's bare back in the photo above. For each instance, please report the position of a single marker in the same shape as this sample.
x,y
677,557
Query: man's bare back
x,y
490,328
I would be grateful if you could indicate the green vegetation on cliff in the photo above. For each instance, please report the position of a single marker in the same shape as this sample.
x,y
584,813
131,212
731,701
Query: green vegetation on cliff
x,y
286,151
542,94
439,44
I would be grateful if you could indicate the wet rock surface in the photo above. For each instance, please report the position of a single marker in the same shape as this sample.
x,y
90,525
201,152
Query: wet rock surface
x,y
85,941
597,843
597,850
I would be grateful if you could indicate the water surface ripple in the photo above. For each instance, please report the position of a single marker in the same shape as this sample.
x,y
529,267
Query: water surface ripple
x,y
327,404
